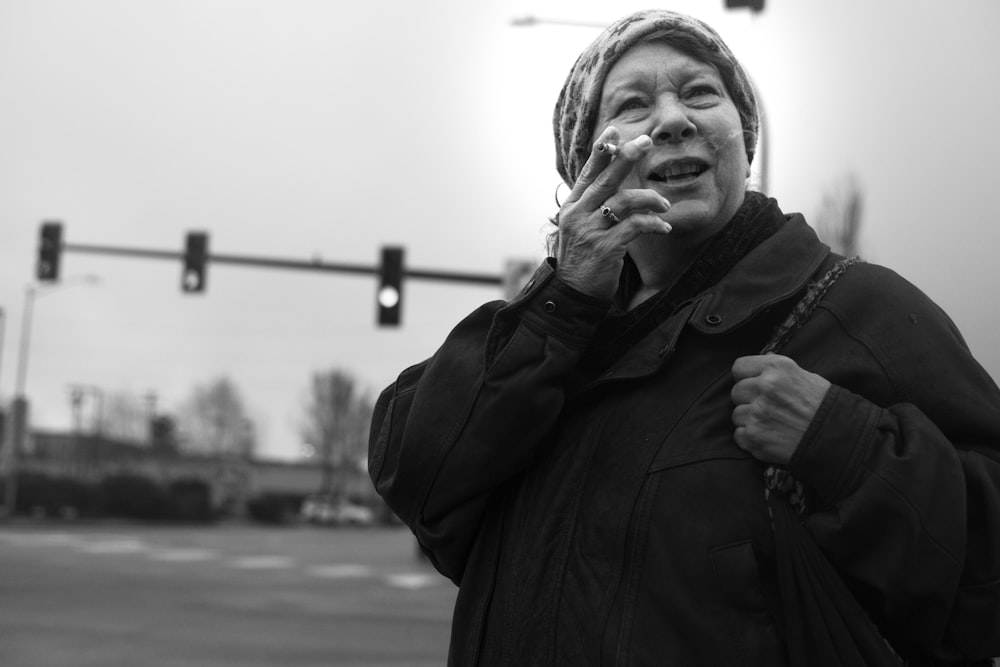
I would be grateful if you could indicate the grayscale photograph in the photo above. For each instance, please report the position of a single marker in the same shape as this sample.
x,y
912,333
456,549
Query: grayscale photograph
x,y
499,334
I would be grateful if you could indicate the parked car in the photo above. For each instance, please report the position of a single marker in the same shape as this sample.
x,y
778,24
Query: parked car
x,y
325,510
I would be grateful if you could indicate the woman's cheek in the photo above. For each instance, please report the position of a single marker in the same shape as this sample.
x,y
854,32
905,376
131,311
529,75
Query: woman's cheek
x,y
632,181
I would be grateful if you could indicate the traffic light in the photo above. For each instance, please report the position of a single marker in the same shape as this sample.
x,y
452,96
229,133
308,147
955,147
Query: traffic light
x,y
755,5
195,258
390,287
49,249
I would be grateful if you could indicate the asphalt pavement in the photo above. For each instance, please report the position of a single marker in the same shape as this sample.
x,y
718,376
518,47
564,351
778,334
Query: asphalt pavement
x,y
137,595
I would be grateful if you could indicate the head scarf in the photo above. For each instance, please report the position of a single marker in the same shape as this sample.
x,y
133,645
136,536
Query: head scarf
x,y
580,99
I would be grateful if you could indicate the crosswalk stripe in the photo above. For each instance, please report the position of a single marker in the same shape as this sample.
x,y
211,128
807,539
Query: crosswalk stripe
x,y
113,546
411,580
39,539
340,571
182,555
124,544
262,562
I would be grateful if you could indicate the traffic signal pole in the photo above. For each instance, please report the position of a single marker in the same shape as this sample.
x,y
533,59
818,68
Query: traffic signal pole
x,y
277,263
391,272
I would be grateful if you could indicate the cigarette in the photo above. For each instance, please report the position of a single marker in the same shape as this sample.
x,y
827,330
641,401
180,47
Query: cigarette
x,y
610,149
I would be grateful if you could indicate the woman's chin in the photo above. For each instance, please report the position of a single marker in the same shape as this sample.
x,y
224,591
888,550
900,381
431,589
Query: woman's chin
x,y
692,217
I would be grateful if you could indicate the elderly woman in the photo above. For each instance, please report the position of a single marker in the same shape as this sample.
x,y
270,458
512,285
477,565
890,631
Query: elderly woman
x,y
586,461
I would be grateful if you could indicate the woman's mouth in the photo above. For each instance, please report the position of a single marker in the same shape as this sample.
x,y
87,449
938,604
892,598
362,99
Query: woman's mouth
x,y
678,172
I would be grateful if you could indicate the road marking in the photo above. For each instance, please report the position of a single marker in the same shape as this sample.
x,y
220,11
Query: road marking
x,y
411,580
262,562
340,571
40,539
182,555
116,545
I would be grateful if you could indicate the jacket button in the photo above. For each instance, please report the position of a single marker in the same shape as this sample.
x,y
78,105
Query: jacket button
x,y
714,319
550,306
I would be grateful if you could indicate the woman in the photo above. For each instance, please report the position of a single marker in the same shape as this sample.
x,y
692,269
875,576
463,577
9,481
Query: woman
x,y
585,461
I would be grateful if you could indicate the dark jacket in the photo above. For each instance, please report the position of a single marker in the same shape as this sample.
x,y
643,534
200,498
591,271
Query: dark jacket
x,y
617,523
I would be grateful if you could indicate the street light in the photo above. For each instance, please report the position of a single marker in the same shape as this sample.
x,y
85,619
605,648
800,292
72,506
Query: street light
x,y
31,294
3,328
4,424
528,20
19,414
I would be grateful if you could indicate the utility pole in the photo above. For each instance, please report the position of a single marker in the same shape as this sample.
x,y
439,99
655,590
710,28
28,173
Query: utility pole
x,y
19,411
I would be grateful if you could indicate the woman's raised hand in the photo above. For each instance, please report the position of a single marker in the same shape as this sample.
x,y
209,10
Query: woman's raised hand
x,y
600,218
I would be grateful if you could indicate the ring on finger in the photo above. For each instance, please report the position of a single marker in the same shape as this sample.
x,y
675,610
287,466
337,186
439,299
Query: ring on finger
x,y
608,213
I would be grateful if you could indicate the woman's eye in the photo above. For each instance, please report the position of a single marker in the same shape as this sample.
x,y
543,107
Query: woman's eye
x,y
703,90
630,104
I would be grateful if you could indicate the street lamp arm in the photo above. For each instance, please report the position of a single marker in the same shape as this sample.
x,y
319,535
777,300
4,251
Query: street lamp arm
x,y
527,21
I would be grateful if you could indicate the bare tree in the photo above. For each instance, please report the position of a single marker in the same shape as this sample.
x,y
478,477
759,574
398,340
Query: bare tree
x,y
120,415
337,417
123,416
838,222
214,421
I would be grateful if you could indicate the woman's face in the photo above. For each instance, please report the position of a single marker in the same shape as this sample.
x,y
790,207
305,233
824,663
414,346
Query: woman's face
x,y
698,160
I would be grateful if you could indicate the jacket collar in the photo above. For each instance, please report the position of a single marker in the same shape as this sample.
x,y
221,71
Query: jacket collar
x,y
773,271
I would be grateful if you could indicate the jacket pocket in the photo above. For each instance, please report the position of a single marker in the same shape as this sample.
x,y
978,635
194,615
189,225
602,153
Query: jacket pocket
x,y
751,627
693,591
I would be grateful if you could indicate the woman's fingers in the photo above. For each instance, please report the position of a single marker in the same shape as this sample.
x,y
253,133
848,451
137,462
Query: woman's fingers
x,y
607,182
604,172
628,202
635,225
595,165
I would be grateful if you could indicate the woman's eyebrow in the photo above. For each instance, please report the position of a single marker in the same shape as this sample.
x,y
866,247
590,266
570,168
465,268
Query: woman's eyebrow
x,y
616,90
695,69
630,81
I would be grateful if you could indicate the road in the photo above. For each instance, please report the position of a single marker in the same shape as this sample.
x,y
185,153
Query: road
x,y
217,596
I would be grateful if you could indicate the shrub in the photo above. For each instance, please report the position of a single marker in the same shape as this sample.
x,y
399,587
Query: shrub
x,y
134,496
189,499
56,496
273,508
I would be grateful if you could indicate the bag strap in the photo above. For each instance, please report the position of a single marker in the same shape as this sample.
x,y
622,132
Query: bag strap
x,y
804,308
779,480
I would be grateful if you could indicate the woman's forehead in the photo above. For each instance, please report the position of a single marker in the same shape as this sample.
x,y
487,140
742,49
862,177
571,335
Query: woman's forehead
x,y
648,62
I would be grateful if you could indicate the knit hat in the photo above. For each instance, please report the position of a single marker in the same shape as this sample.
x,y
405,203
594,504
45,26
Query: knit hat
x,y
580,99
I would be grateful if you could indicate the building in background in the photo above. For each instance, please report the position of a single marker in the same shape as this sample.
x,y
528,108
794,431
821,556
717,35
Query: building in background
x,y
71,474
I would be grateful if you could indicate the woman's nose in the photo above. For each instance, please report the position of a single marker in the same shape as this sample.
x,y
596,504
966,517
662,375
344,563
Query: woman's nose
x,y
671,123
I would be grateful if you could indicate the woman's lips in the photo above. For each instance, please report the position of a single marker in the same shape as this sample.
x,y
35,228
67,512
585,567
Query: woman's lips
x,y
678,172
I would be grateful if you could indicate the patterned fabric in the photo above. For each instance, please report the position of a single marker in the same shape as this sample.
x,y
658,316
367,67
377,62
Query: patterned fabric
x,y
579,101
778,480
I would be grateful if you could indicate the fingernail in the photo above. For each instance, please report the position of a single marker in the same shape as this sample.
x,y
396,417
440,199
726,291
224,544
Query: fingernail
x,y
635,148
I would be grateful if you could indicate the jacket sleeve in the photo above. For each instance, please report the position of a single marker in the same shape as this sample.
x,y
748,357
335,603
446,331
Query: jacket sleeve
x,y
909,490
455,428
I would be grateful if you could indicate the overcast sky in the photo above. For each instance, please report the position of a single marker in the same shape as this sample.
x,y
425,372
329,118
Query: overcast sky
x,y
315,128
